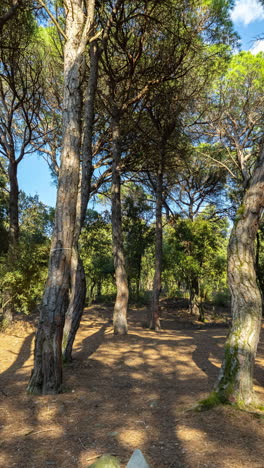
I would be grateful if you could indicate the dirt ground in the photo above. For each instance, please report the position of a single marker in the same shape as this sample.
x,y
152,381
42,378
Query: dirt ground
x,y
127,393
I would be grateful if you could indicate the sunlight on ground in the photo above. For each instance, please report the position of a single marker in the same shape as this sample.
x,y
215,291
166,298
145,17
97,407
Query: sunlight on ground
x,y
132,437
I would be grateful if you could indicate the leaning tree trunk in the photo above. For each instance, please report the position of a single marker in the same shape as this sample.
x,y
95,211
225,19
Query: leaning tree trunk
x,y
155,309
8,305
75,309
235,382
120,308
78,282
46,376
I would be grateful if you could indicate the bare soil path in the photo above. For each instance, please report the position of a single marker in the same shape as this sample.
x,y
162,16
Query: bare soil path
x,y
127,393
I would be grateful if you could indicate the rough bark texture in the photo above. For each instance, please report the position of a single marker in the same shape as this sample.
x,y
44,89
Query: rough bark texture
x,y
75,309
155,313
235,379
120,309
46,376
78,283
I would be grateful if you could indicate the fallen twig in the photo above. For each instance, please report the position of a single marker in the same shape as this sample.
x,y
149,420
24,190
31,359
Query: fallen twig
x,y
38,432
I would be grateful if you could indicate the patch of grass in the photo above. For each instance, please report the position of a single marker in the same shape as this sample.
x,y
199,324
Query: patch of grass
x,y
210,402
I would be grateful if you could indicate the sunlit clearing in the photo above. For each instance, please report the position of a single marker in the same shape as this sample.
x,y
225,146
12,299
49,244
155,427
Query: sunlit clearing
x,y
132,437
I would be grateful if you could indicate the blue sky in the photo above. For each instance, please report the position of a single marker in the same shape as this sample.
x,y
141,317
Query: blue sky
x,y
248,18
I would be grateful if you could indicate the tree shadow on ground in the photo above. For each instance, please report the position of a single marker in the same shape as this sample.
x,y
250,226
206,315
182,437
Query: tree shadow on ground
x,y
125,393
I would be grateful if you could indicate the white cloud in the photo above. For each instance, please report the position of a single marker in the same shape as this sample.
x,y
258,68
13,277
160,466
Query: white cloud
x,y
257,47
247,11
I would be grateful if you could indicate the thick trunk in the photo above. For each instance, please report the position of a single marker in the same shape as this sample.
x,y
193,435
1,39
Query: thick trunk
x,y
78,283
155,312
235,383
8,305
120,309
46,376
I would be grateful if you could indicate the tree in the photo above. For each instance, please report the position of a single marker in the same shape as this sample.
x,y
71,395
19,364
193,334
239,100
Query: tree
x,y
96,253
21,101
198,186
26,279
197,247
194,57
129,74
239,127
9,9
78,283
138,233
46,376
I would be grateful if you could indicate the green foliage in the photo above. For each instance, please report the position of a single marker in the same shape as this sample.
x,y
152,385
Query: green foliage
x,y
196,250
210,402
221,298
26,280
26,276
106,461
137,232
96,253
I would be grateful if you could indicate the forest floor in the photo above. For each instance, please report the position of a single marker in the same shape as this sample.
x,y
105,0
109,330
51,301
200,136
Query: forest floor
x,y
127,393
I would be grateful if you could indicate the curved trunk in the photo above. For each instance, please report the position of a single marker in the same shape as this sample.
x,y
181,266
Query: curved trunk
x,y
75,309
78,282
235,380
120,308
46,376
155,312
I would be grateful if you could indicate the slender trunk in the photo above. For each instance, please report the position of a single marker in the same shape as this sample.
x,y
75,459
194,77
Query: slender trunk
x,y
138,278
46,376
78,283
155,312
120,308
235,383
194,304
13,209
99,289
75,309
8,294
91,294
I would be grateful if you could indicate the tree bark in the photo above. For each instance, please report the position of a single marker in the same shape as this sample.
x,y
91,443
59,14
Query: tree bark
x,y
122,293
194,305
13,236
155,311
78,283
13,209
235,382
46,376
75,309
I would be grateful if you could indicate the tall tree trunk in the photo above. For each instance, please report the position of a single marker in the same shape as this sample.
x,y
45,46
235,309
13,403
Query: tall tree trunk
x,y
13,209
8,304
155,310
120,308
235,380
78,283
46,376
